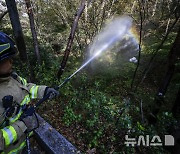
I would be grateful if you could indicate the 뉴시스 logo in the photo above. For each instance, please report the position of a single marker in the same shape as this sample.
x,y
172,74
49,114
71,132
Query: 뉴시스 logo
x,y
147,141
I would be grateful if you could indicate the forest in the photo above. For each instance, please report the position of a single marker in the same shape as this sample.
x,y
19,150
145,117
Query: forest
x,y
129,92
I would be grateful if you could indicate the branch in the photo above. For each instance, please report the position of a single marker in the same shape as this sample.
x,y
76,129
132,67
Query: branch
x,y
155,53
140,40
71,38
33,30
3,14
173,57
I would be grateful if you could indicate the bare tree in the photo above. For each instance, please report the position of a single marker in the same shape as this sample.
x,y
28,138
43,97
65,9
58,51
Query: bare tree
x,y
15,22
142,15
146,70
71,38
33,30
173,56
154,9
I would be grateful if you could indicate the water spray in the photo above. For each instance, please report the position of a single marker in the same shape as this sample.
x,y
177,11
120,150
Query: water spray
x,y
110,35
86,63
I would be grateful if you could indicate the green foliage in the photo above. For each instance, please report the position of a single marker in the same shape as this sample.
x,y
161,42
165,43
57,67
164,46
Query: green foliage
x,y
97,106
99,110
70,116
105,119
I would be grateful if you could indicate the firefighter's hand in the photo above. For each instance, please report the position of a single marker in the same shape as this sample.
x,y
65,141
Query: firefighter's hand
x,y
31,122
51,92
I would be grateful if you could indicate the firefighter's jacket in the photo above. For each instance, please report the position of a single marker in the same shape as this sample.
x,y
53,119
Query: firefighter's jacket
x,y
12,136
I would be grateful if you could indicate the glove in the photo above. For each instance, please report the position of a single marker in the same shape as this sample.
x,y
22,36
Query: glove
x,y
28,111
51,92
31,122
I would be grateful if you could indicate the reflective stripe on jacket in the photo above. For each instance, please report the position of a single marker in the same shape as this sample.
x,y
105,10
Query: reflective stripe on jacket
x,y
12,137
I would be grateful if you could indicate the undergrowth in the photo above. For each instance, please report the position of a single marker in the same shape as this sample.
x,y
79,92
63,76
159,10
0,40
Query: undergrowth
x,y
96,110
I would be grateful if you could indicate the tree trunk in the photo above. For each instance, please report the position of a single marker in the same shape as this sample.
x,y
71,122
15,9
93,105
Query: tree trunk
x,y
33,30
141,12
133,6
150,63
71,38
172,58
16,25
154,9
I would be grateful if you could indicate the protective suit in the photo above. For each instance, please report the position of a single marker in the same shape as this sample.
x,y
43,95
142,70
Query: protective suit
x,y
15,93
12,137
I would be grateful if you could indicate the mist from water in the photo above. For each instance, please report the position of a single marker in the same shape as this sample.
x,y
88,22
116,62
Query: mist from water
x,y
111,34
114,47
117,45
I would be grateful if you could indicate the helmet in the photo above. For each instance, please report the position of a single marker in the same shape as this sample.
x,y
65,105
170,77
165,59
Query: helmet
x,y
7,47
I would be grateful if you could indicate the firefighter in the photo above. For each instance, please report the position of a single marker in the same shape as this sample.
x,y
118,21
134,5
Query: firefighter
x,y
15,93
